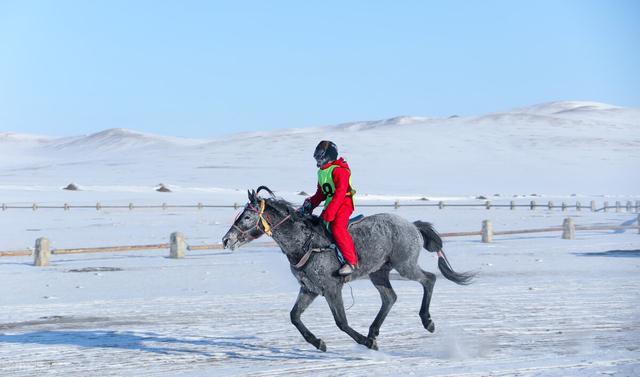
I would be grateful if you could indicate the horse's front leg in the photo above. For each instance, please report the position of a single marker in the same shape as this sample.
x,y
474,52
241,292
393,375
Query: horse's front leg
x,y
305,298
334,299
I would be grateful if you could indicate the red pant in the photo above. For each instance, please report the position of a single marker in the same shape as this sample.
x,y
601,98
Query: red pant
x,y
341,234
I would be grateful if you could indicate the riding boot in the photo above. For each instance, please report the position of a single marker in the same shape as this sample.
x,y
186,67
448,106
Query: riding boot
x,y
346,269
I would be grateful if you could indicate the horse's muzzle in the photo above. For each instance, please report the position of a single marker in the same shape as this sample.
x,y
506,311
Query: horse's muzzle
x,y
232,243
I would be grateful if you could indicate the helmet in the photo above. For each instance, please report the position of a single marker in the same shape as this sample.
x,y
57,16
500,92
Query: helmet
x,y
325,152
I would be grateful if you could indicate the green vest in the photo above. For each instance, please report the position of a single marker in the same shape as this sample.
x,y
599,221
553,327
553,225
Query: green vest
x,y
328,187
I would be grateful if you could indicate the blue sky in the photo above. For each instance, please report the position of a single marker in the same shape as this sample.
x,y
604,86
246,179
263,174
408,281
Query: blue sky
x,y
205,68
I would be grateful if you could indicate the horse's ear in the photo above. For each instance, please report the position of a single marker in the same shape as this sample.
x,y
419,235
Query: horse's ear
x,y
249,195
252,196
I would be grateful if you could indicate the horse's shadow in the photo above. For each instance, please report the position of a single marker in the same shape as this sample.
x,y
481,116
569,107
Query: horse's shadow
x,y
230,347
612,253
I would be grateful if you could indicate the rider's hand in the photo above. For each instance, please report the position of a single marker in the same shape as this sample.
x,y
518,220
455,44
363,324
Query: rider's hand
x,y
306,207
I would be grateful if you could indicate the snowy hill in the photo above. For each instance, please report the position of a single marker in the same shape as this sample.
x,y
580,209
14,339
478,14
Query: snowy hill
x,y
13,138
119,139
559,147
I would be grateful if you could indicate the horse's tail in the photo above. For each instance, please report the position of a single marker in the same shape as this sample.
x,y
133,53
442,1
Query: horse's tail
x,y
433,243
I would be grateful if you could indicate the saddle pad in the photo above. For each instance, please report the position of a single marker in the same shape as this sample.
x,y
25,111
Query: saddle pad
x,y
356,219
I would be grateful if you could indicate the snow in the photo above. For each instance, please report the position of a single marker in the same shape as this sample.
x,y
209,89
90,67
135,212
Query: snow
x,y
541,306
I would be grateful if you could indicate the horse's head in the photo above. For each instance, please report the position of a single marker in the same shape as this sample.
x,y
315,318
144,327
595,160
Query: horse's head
x,y
250,223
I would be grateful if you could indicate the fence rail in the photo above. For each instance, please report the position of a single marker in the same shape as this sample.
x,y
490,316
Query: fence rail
x,y
629,206
178,245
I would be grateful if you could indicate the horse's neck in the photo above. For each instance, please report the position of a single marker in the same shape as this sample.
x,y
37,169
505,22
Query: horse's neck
x,y
292,236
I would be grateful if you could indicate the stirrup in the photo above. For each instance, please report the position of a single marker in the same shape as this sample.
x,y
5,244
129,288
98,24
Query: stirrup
x,y
346,269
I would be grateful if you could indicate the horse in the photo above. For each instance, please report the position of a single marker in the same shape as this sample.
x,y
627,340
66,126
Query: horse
x,y
383,242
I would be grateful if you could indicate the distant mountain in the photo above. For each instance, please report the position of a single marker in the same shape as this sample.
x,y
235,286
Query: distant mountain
x,y
558,147
120,138
561,107
12,137
117,139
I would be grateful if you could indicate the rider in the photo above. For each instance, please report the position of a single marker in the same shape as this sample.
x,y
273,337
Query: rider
x,y
334,188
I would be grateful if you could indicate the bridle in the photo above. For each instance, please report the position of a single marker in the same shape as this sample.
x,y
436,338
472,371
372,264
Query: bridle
x,y
266,227
268,230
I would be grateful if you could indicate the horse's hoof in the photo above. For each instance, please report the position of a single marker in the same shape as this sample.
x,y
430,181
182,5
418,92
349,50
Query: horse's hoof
x,y
321,345
431,327
372,343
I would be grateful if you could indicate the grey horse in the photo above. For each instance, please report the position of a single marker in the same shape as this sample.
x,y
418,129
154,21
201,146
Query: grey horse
x,y
383,242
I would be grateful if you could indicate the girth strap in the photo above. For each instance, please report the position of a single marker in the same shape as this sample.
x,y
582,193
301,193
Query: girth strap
x,y
305,258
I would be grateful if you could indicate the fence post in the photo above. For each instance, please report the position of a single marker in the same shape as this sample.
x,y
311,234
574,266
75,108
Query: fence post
x,y
593,206
34,207
178,246
512,205
440,204
130,206
564,206
488,204
4,206
98,206
487,231
235,206
66,206
41,253
533,205
628,205
606,206
638,223
578,206
568,229
396,204
637,205
618,209
550,205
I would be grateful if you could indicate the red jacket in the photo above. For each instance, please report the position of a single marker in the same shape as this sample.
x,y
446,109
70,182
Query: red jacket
x,y
340,176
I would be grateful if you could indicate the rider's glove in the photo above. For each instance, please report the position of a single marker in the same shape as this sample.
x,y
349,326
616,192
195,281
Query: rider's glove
x,y
306,207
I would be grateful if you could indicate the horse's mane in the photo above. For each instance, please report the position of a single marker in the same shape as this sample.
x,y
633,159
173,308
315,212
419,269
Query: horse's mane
x,y
286,208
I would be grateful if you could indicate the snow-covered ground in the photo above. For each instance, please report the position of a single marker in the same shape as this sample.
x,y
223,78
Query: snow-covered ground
x,y
540,306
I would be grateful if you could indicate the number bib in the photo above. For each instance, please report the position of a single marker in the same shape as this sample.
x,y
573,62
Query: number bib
x,y
328,187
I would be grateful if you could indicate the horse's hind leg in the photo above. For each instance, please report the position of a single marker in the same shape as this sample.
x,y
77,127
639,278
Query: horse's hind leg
x,y
334,299
380,280
305,298
427,279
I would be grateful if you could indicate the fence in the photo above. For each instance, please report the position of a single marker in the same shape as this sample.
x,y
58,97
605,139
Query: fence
x,y
629,206
178,246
